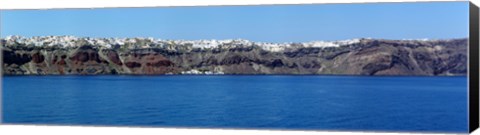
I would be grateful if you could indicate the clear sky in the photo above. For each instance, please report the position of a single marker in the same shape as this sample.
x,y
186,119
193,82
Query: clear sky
x,y
266,23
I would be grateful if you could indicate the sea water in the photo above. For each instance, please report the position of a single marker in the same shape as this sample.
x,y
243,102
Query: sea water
x,y
424,104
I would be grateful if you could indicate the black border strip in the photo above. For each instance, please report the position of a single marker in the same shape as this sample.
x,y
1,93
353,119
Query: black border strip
x,y
473,109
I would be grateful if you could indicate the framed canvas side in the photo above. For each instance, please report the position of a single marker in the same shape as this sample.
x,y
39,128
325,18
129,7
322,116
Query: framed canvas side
x,y
473,68
1,73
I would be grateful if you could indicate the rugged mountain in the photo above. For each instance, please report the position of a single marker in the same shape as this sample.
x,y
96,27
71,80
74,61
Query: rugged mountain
x,y
70,55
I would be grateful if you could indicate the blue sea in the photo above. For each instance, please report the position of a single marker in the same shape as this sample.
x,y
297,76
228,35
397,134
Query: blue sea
x,y
352,103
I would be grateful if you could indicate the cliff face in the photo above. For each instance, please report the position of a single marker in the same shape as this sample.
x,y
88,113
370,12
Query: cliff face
x,y
365,57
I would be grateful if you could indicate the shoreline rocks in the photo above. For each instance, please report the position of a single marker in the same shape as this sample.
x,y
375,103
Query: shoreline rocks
x,y
370,57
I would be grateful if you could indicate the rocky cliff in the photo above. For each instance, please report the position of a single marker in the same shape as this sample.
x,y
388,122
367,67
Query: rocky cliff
x,y
147,56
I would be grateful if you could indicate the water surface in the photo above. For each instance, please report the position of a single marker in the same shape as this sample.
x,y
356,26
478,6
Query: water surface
x,y
424,104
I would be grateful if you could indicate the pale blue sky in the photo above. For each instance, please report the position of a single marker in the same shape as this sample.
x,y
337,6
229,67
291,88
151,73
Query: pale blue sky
x,y
267,23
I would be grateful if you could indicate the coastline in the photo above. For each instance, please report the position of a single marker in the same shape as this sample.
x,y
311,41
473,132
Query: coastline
x,y
159,75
